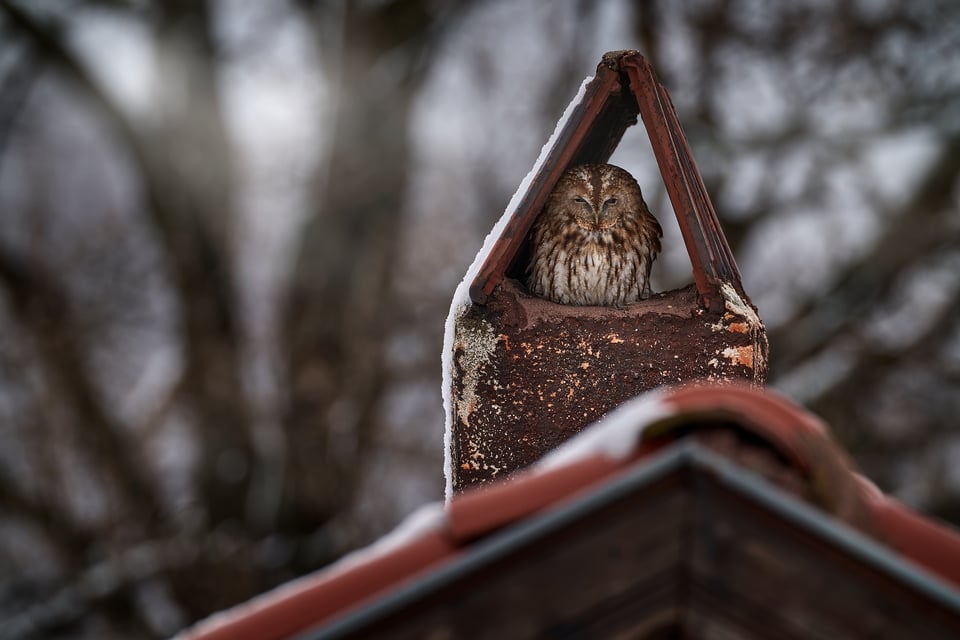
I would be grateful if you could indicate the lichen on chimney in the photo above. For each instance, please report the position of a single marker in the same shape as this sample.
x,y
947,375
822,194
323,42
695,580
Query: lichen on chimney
x,y
474,344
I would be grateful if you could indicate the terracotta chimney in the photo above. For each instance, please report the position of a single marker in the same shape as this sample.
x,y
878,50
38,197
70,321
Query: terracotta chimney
x,y
522,374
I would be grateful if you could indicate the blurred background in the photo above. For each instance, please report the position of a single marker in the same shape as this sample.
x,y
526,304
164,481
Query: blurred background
x,y
230,231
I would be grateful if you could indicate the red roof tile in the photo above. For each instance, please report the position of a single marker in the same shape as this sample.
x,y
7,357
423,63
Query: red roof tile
x,y
797,436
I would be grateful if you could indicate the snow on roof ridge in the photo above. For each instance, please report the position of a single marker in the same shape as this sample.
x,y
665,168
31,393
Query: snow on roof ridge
x,y
424,519
615,435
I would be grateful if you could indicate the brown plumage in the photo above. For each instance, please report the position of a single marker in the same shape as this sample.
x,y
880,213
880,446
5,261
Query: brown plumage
x,y
595,241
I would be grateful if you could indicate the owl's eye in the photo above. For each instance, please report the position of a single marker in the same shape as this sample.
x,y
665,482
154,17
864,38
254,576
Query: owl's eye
x,y
610,201
579,199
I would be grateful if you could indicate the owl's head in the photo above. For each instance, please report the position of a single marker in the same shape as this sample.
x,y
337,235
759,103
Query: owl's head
x,y
596,196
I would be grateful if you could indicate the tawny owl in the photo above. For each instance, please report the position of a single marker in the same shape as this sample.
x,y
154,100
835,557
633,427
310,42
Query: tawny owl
x,y
595,241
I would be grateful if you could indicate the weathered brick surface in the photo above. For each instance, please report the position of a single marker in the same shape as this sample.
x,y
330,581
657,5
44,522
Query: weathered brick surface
x,y
529,373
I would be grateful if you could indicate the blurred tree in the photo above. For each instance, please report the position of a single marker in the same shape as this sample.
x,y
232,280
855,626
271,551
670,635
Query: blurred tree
x,y
138,488
334,323
865,322
333,336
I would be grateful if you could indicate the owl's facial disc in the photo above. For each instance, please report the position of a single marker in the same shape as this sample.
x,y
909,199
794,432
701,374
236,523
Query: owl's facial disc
x,y
592,205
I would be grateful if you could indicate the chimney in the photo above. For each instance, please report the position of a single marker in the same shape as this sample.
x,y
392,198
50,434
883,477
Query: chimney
x,y
522,374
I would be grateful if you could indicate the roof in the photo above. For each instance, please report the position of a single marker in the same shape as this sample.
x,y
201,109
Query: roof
x,y
742,455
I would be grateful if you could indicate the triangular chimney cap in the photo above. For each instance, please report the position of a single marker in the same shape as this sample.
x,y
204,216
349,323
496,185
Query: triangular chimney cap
x,y
625,85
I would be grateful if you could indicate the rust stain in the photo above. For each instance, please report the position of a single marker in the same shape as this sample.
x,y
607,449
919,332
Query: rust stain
x,y
584,345
740,355
738,327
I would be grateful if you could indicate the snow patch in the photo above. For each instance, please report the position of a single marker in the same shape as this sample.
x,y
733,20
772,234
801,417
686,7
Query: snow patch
x,y
615,435
461,297
752,356
425,519
735,305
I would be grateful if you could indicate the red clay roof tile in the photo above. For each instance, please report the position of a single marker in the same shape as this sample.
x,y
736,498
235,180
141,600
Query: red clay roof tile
x,y
798,436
